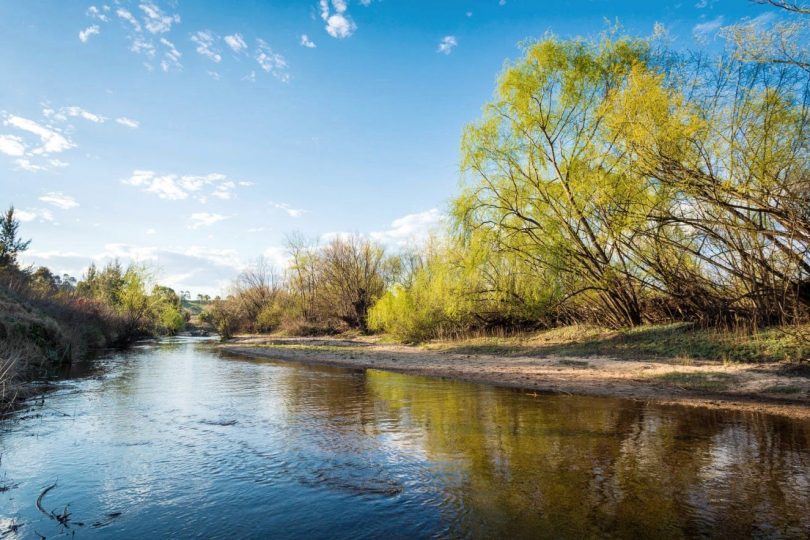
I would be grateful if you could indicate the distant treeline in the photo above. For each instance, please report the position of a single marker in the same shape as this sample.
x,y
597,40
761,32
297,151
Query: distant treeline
x,y
610,181
46,319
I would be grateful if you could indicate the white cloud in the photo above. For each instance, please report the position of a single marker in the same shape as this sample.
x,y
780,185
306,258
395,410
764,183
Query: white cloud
x,y
95,13
11,145
178,187
155,20
306,42
761,20
270,61
73,112
59,200
410,229
224,190
205,40
85,34
128,122
338,24
292,212
129,17
165,187
706,29
447,44
25,164
52,141
204,219
32,214
140,45
236,42
277,256
171,57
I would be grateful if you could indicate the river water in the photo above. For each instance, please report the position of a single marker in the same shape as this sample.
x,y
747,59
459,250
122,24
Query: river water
x,y
174,440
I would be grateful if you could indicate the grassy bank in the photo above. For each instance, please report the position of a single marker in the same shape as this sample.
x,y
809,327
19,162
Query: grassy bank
x,y
673,341
39,335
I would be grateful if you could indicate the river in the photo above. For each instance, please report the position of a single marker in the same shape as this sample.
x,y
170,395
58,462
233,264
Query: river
x,y
174,439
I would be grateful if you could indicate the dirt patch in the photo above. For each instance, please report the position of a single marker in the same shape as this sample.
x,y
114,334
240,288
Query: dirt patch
x,y
767,388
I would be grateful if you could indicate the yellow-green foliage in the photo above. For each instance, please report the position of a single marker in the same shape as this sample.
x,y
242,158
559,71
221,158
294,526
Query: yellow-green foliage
x,y
171,320
612,183
270,317
543,177
459,286
126,291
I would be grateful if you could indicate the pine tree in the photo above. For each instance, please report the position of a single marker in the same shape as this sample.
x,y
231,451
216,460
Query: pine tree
x,y
10,244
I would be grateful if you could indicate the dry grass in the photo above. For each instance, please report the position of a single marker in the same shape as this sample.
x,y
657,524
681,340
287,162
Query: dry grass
x,y
673,341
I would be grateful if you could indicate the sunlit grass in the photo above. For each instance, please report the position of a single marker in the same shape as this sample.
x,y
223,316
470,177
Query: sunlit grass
x,y
673,341
708,381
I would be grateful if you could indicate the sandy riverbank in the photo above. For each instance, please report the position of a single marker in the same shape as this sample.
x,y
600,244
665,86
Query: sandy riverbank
x,y
768,388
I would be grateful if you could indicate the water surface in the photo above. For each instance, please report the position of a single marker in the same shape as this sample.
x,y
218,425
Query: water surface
x,y
175,440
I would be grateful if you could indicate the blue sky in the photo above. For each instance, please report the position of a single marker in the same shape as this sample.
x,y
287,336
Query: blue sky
x,y
194,135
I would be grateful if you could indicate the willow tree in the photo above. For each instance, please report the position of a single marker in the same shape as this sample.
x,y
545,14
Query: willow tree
x,y
546,179
734,161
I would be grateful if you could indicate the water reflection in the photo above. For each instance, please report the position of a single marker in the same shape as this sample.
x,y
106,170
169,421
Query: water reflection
x,y
176,440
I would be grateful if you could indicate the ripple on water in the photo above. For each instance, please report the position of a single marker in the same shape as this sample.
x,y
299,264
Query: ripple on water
x,y
174,440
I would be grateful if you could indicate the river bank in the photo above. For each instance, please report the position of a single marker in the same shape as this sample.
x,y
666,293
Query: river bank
x,y
768,387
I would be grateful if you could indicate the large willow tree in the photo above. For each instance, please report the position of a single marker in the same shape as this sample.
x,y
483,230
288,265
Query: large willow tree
x,y
547,180
733,160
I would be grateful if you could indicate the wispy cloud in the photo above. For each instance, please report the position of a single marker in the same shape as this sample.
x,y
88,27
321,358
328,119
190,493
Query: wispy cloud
x,y
292,212
129,17
306,42
171,56
25,164
155,20
204,219
128,122
179,187
236,42
338,24
11,145
270,61
59,200
101,14
205,41
410,229
73,112
85,34
32,214
705,30
51,140
447,44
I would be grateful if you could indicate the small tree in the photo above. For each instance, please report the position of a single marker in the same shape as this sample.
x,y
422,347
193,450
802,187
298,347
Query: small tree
x,y
10,243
